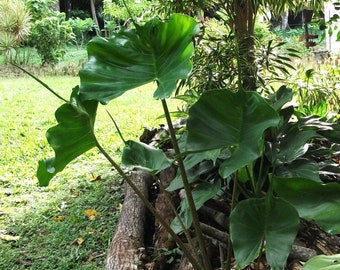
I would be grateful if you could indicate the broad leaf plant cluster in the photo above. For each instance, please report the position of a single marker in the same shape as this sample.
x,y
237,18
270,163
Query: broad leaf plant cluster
x,y
237,146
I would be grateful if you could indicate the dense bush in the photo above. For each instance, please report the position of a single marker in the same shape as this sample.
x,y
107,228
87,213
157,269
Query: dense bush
x,y
80,29
40,8
50,31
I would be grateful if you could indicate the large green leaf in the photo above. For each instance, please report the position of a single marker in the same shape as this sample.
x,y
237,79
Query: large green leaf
x,y
222,119
302,168
145,157
330,262
72,136
313,200
281,97
155,52
255,220
292,146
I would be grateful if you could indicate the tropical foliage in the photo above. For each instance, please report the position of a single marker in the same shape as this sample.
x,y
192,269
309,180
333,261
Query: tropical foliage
x,y
50,31
273,169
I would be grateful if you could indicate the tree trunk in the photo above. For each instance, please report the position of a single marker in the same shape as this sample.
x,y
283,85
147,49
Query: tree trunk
x,y
94,16
284,20
244,23
318,239
68,8
127,246
164,208
57,6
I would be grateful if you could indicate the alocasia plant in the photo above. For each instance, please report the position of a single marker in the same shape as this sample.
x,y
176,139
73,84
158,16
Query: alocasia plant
x,y
241,137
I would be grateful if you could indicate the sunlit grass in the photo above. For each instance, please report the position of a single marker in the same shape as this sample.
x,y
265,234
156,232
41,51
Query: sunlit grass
x,y
30,213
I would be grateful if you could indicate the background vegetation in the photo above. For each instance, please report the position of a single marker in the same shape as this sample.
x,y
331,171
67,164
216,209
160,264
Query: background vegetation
x,y
44,227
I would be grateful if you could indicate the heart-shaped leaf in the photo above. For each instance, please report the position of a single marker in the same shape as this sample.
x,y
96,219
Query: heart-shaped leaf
x,y
303,168
155,52
255,220
222,119
72,136
313,200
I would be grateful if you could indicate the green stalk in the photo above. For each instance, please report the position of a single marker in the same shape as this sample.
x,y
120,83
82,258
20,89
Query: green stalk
x,y
150,207
260,180
191,203
42,83
233,204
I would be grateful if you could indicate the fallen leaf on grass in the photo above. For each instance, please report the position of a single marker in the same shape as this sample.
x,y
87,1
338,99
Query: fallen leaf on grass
x,y
95,178
91,214
79,241
59,218
74,193
8,237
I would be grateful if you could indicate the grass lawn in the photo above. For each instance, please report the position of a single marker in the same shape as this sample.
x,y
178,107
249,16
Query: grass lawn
x,y
49,228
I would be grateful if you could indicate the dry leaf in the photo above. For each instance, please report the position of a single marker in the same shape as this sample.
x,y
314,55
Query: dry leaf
x,y
79,241
90,258
91,217
91,214
59,218
74,193
95,178
8,237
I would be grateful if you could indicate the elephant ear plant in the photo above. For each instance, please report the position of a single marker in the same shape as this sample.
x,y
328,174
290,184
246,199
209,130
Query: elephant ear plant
x,y
239,146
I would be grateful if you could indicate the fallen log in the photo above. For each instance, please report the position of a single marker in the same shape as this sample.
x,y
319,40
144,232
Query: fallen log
x,y
318,239
127,247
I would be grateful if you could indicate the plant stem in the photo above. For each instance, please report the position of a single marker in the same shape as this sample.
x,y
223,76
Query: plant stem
x,y
150,207
260,181
233,204
41,82
187,188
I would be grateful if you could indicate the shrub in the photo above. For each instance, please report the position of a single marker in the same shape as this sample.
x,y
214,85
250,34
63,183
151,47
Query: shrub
x,y
50,31
80,28
118,13
40,8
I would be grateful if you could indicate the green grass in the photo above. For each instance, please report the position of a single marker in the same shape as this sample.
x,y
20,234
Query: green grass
x,y
31,237
28,58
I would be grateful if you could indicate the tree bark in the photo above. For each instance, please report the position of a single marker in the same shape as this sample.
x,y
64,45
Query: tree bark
x,y
319,240
244,23
284,20
94,16
127,246
68,8
163,207
57,6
